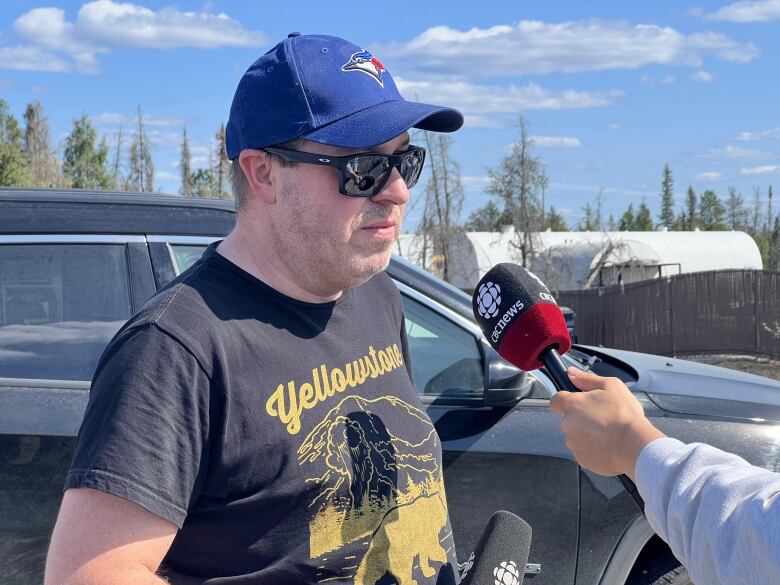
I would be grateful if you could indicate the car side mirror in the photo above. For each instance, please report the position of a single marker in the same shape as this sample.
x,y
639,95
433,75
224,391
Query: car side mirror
x,y
505,384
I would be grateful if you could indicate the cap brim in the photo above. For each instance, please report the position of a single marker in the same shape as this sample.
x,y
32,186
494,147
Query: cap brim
x,y
383,122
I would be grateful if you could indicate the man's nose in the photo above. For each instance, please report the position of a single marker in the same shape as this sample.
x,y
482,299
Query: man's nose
x,y
395,190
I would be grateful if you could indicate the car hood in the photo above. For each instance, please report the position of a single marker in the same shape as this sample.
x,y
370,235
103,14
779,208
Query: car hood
x,y
685,387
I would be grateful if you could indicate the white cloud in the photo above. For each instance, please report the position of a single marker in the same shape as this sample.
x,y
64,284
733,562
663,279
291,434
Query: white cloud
x,y
480,102
763,170
536,47
166,176
557,141
749,11
734,153
709,176
764,135
115,119
27,58
647,80
131,25
668,79
703,77
613,126
474,182
104,25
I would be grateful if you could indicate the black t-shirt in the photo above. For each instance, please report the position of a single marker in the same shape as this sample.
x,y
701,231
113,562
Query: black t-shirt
x,y
284,438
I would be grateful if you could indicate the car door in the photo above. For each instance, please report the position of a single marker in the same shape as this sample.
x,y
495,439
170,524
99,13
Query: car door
x,y
62,298
494,458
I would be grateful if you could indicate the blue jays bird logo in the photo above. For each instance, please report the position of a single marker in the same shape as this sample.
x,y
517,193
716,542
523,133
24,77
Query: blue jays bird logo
x,y
367,63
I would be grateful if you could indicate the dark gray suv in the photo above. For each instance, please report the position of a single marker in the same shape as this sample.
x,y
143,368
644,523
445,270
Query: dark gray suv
x,y
75,265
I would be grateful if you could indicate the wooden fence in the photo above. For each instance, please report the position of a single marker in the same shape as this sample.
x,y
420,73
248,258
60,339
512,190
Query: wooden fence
x,y
725,311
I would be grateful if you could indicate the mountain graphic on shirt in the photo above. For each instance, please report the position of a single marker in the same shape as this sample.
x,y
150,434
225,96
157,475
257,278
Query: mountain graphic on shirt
x,y
378,495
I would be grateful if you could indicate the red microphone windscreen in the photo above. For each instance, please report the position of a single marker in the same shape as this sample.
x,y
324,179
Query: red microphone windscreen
x,y
519,316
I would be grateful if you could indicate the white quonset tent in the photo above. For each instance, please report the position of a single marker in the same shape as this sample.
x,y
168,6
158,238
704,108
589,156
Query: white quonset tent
x,y
573,260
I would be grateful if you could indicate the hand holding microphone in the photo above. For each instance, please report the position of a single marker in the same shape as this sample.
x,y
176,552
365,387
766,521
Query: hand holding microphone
x,y
524,324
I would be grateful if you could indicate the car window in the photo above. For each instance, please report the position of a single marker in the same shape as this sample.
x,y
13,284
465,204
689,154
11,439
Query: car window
x,y
60,304
186,255
445,358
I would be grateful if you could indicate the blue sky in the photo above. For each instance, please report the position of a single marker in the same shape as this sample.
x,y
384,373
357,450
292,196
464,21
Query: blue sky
x,y
611,90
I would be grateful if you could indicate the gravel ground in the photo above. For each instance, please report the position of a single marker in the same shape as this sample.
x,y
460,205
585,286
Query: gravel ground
x,y
766,367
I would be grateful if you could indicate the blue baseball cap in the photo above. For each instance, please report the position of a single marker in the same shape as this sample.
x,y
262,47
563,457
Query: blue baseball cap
x,y
327,90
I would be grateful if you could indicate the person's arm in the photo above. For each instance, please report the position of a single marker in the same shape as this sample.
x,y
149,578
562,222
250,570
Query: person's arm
x,y
100,539
719,515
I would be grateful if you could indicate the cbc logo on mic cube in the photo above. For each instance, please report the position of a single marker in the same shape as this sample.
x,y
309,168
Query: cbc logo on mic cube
x,y
488,299
506,574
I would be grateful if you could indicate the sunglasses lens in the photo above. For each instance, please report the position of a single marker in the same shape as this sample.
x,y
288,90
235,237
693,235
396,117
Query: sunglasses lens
x,y
411,166
363,172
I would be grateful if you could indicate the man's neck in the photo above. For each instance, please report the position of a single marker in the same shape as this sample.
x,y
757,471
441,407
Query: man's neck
x,y
245,250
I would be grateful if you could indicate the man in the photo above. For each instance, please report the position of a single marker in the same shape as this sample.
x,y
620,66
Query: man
x,y
256,422
719,514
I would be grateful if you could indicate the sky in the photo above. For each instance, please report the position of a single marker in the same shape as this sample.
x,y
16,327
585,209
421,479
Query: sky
x,y
611,90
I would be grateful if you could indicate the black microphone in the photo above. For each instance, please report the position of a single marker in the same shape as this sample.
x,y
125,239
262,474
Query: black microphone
x,y
501,553
524,324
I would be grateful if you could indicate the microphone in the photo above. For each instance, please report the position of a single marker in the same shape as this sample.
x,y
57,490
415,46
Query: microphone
x,y
524,324
501,553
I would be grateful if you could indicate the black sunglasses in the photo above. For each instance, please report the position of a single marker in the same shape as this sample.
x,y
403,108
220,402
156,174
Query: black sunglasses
x,y
363,174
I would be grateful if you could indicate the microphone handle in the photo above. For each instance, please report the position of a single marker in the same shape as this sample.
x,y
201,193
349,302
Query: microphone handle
x,y
557,369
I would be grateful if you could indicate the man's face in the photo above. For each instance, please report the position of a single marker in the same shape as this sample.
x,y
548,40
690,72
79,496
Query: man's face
x,y
330,241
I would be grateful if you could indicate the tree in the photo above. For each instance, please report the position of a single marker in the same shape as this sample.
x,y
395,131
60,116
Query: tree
x,y
666,217
14,171
769,210
185,164
643,221
736,214
711,211
588,221
141,176
488,218
115,179
627,220
773,260
516,183
555,222
84,161
221,166
691,202
203,183
443,194
42,162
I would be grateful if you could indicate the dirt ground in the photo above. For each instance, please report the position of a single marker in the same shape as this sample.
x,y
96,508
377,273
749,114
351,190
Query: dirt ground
x,y
768,368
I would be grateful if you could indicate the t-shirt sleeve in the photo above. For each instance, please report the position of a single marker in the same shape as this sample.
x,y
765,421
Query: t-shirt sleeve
x,y
145,432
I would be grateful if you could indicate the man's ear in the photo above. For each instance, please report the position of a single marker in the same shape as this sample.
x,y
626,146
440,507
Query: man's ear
x,y
257,166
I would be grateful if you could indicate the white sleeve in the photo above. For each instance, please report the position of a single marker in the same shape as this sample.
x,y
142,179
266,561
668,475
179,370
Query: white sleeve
x,y
719,514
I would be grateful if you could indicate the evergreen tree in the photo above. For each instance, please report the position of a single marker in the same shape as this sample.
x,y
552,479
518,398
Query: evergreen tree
x,y
84,161
769,211
588,221
203,183
141,176
185,164
488,218
666,217
736,214
627,220
14,171
555,222
711,212
691,218
516,182
116,183
42,162
644,221
611,223
221,166
773,261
